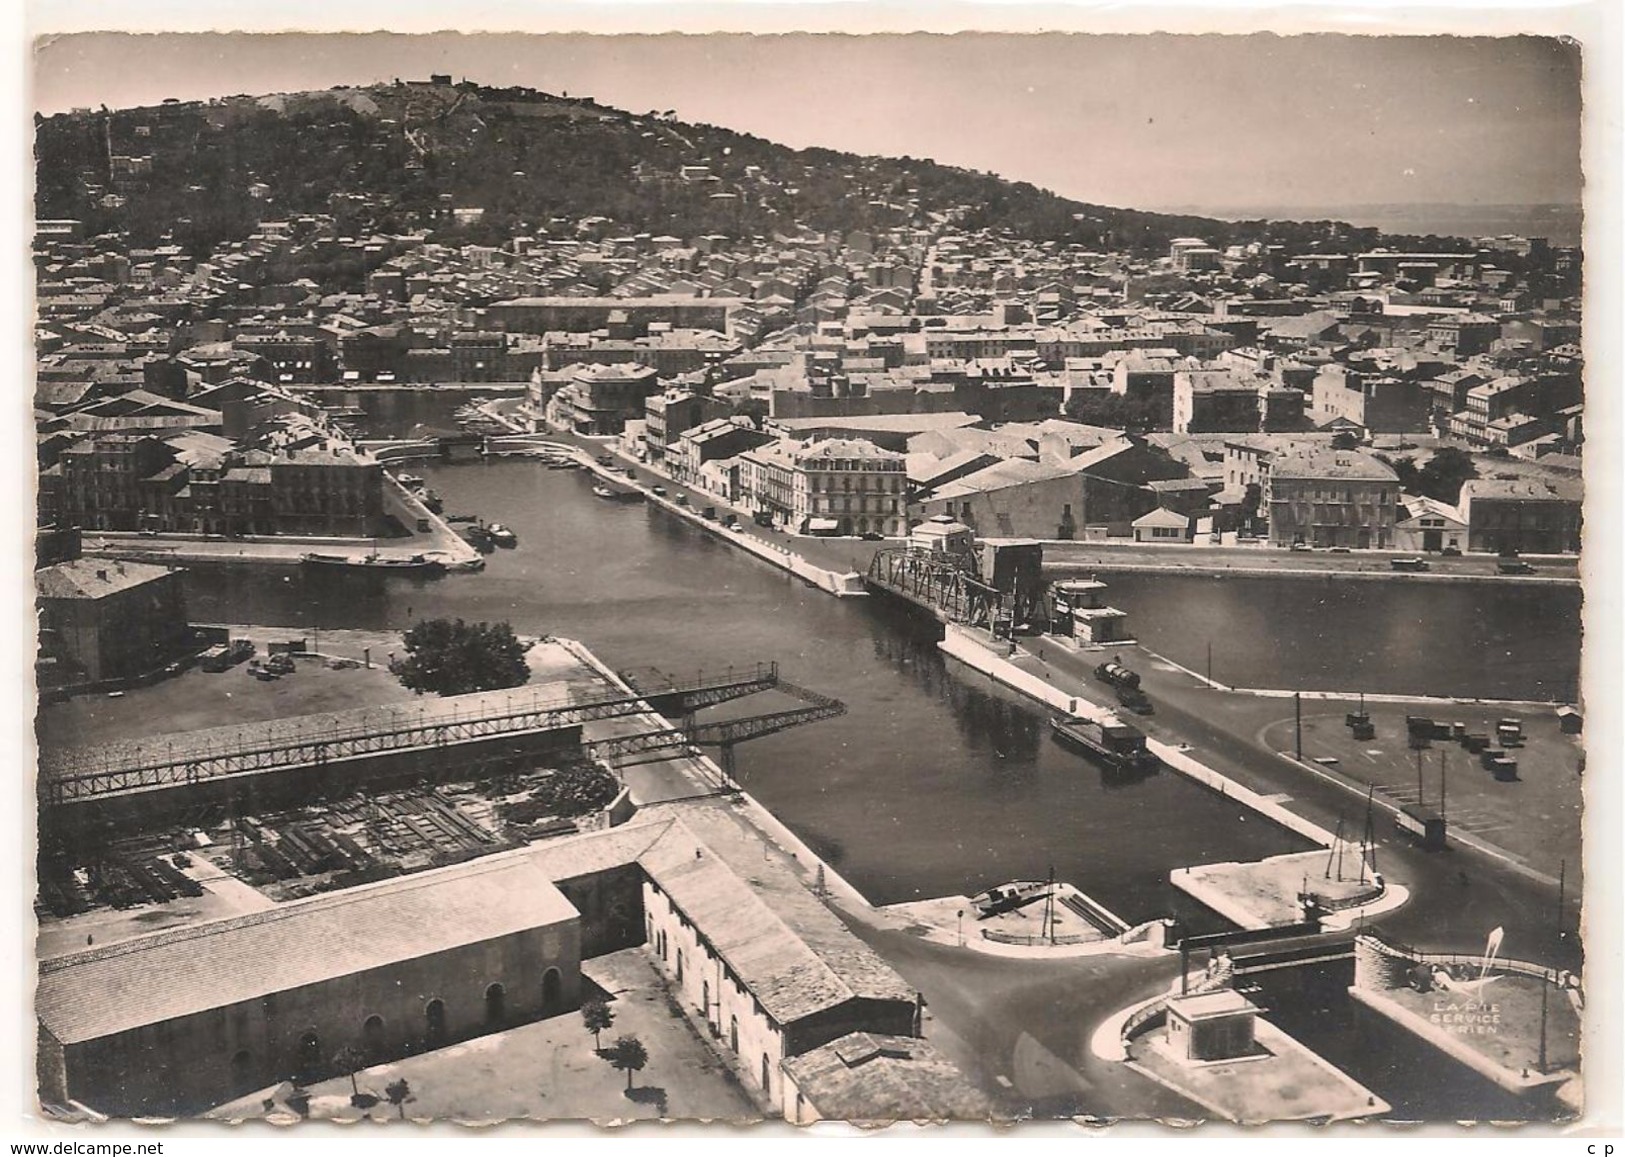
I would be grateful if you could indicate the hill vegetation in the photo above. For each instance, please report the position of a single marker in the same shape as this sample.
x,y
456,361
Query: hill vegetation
x,y
406,155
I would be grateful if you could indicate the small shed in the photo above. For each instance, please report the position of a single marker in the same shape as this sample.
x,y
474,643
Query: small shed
x,y
942,534
1211,1026
1569,720
1162,525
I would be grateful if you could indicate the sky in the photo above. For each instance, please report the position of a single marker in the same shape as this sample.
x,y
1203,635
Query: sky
x,y
1154,121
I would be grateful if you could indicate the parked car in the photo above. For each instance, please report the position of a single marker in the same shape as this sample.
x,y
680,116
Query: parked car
x,y
1514,566
1300,546
1451,552
658,491
1340,550
873,536
1410,564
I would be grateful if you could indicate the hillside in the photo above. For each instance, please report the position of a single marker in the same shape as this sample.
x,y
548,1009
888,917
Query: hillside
x,y
392,157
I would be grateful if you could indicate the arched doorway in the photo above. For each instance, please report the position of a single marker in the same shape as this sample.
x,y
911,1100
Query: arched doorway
x,y
767,1071
705,998
242,1072
733,1033
308,1063
495,1014
552,990
679,966
434,1013
372,1039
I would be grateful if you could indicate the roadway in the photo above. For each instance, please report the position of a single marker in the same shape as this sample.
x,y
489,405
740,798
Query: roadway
x,y
1020,1028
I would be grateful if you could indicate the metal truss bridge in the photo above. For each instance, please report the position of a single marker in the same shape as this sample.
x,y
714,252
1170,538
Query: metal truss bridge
x,y
722,734
945,584
76,775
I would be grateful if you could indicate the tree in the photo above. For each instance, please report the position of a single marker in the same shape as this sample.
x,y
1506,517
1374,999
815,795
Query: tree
x,y
598,1017
454,658
629,1054
755,409
1444,473
348,1060
399,1093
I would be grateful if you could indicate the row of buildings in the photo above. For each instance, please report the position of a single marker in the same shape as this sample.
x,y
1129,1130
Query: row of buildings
x,y
293,475
1061,480
815,1023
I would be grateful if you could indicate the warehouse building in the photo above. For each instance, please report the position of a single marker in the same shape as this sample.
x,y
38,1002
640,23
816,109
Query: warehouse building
x,y
183,1020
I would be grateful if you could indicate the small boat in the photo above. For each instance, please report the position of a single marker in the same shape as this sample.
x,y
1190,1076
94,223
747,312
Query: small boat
x,y
617,494
432,502
410,481
462,517
1110,741
564,464
479,538
502,536
1008,897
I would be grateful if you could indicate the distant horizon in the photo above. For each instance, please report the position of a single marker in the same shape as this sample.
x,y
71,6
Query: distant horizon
x,y
1297,124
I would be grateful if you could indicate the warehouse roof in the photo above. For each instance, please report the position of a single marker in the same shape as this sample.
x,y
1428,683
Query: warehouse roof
x,y
873,1077
787,948
173,974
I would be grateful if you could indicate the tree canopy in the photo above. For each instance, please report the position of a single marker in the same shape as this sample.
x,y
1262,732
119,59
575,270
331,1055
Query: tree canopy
x,y
449,657
1440,477
629,1055
597,1017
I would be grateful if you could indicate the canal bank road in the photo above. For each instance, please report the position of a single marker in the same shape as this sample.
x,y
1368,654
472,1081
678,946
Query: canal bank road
x,y
438,543
842,583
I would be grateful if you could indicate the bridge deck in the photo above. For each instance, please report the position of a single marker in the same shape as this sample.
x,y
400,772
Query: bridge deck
x,y
71,774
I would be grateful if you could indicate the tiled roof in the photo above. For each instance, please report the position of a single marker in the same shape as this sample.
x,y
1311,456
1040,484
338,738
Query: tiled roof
x,y
173,974
871,1077
1547,489
93,578
1332,464
789,950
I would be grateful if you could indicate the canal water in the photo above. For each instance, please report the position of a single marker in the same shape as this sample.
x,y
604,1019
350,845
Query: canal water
x,y
935,782
1484,639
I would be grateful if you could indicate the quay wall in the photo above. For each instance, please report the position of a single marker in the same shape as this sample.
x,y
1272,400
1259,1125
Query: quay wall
x,y
807,863
830,582
970,648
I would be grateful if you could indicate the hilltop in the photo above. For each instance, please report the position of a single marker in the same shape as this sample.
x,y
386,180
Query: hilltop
x,y
396,156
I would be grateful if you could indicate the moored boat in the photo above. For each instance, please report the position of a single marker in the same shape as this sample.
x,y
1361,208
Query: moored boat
x,y
502,536
414,564
1110,741
1008,897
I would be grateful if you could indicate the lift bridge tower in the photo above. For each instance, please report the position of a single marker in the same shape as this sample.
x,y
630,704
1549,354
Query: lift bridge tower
x,y
997,586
